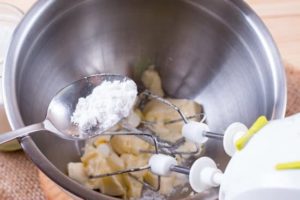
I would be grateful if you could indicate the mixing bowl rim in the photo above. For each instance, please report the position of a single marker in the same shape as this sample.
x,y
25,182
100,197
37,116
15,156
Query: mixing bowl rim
x,y
14,116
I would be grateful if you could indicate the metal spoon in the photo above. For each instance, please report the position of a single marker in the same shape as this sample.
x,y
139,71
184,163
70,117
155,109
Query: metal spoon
x,y
61,108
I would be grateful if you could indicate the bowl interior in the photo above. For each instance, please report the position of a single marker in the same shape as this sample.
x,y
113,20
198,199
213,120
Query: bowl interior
x,y
203,50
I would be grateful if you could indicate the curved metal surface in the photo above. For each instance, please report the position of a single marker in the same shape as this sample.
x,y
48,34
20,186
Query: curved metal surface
x,y
216,52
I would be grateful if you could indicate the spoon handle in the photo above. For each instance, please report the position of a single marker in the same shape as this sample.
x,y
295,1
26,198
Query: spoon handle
x,y
8,136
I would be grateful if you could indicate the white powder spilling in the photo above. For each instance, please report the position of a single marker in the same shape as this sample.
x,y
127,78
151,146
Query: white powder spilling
x,y
108,103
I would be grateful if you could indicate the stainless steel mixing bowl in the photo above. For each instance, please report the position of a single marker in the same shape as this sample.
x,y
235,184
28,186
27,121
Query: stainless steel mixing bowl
x,y
216,52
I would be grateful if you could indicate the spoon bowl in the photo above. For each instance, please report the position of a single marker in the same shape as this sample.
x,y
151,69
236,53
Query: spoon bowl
x,y
61,108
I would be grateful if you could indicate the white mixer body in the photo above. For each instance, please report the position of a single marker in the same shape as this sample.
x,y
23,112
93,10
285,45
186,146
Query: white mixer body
x,y
252,175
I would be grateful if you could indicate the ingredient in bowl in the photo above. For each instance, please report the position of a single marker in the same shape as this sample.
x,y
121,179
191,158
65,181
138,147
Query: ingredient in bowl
x,y
108,102
152,81
155,111
108,154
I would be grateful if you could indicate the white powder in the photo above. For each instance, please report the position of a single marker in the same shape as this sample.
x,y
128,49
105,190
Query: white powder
x,y
151,195
108,103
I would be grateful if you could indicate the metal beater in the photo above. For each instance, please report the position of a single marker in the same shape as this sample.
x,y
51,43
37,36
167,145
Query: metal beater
x,y
163,150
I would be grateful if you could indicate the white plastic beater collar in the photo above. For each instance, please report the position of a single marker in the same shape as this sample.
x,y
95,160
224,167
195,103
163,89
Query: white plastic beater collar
x,y
204,174
194,132
160,164
232,133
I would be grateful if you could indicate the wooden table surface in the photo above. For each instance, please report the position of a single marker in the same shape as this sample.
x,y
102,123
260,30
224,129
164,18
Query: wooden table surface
x,y
282,17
